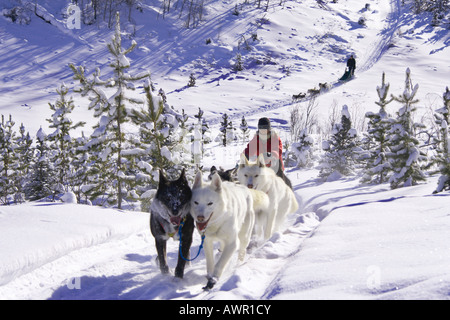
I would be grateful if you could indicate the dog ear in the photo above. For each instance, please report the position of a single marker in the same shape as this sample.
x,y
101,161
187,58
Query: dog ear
x,y
244,161
162,178
197,180
216,183
182,175
261,162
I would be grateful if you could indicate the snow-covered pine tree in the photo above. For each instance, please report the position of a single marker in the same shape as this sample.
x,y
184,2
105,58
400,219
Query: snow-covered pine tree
x,y
341,151
108,141
197,144
183,123
405,154
204,125
238,65
245,132
206,133
442,119
184,129
192,79
231,134
80,168
224,125
24,160
157,139
163,95
199,115
378,167
197,138
61,140
42,178
8,160
301,150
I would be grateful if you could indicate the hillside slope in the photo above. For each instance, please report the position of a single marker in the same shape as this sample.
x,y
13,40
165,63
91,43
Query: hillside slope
x,y
286,50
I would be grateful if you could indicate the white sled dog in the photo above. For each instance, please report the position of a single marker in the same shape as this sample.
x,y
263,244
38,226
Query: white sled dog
x,y
261,206
223,212
282,199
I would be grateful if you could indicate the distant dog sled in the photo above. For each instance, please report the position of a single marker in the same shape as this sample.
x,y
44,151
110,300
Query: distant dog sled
x,y
347,75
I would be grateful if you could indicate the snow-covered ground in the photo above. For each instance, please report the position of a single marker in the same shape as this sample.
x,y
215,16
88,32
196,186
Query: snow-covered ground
x,y
372,243
347,241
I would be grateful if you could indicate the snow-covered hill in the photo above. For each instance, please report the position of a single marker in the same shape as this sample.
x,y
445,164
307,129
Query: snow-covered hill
x,y
297,46
347,241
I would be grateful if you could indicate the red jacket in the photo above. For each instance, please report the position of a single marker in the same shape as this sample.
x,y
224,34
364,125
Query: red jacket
x,y
255,148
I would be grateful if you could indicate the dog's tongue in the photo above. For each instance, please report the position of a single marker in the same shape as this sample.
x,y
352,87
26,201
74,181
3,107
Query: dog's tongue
x,y
175,221
201,225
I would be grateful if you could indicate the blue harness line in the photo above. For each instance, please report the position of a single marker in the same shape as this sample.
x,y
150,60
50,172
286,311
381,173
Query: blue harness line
x,y
199,249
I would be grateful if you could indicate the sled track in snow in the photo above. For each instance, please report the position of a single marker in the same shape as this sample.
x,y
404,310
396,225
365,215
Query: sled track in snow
x,y
386,37
261,109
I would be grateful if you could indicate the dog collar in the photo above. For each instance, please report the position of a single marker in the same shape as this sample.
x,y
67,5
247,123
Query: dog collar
x,y
172,234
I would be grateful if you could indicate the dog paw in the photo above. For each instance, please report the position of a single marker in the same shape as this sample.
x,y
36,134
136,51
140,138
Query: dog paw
x,y
242,255
177,279
164,269
179,275
211,282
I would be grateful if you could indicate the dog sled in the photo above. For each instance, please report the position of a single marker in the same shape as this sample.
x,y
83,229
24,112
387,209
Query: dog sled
x,y
347,75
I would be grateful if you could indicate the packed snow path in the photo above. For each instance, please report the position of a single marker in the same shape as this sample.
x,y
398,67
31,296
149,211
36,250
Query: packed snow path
x,y
111,264
384,39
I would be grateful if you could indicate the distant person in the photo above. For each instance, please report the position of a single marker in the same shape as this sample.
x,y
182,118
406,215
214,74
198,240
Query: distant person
x,y
351,64
267,142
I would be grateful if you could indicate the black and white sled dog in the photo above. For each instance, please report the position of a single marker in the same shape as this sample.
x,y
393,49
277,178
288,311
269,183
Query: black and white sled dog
x,y
225,175
170,209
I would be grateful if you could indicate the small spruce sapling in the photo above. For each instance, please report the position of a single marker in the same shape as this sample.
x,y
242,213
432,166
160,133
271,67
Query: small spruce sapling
x,y
442,119
377,141
405,155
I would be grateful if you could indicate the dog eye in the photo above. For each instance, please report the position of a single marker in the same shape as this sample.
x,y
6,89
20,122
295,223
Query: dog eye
x,y
256,176
246,175
195,202
210,204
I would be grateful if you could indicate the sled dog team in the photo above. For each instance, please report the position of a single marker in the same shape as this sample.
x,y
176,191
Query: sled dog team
x,y
222,211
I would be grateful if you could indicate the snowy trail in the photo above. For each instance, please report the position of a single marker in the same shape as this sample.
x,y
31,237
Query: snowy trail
x,y
125,268
385,37
303,261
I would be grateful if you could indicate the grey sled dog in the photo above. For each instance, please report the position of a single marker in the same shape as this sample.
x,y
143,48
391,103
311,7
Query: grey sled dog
x,y
170,209
223,212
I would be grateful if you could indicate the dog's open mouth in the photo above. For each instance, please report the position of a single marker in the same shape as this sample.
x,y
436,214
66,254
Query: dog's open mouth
x,y
175,221
201,226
